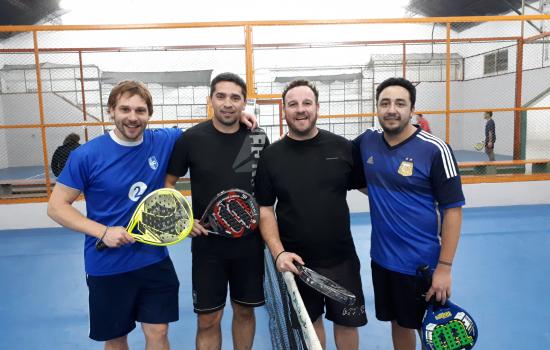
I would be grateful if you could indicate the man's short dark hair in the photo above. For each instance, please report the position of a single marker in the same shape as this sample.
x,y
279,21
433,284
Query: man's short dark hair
x,y
404,83
301,82
231,77
490,113
72,138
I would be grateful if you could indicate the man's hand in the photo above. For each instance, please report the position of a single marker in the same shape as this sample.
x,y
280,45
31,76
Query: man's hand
x,y
441,284
116,237
249,120
198,229
285,262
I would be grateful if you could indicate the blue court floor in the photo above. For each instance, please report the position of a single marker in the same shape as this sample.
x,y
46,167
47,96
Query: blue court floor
x,y
501,276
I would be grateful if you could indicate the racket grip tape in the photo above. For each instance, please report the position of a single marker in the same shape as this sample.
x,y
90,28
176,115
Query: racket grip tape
x,y
99,244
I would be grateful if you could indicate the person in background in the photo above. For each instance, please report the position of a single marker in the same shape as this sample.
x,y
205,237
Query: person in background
x,y
490,135
423,123
415,196
62,152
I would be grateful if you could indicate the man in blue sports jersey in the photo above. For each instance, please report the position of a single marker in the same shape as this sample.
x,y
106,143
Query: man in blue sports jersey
x,y
127,282
415,196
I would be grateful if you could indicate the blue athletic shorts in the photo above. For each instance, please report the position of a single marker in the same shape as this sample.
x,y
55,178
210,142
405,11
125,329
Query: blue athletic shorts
x,y
148,295
347,274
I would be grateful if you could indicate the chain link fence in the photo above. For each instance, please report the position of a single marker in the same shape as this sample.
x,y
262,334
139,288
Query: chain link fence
x,y
499,65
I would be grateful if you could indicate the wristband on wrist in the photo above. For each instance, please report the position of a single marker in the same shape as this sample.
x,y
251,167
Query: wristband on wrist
x,y
104,233
445,263
278,255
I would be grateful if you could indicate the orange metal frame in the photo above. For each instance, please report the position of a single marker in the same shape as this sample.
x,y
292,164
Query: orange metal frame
x,y
249,47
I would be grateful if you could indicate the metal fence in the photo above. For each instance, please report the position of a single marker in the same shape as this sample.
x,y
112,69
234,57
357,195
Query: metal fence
x,y
55,80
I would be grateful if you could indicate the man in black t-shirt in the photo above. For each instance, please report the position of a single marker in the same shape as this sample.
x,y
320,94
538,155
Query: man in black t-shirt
x,y
308,174
62,152
222,154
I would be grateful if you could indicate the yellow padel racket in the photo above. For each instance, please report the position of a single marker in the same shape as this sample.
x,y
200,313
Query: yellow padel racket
x,y
164,217
479,145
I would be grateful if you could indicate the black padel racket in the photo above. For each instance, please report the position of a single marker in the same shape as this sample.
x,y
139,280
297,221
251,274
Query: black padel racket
x,y
164,217
233,213
325,286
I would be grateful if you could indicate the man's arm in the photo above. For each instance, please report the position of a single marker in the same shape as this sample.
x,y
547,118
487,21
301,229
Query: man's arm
x,y
270,233
61,210
491,140
450,235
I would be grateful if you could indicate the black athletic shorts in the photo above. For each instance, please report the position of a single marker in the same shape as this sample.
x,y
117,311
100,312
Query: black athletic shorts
x,y
398,297
212,274
347,274
148,295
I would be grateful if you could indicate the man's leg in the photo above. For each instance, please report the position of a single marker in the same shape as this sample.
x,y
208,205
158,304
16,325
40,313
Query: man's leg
x,y
320,330
403,338
157,303
243,327
490,153
156,336
120,343
346,337
209,332
246,285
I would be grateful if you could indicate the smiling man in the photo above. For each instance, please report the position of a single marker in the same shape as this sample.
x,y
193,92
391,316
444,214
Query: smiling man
x,y
416,200
221,154
308,174
127,283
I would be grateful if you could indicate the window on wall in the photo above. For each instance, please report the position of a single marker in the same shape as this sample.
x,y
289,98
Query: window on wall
x,y
495,62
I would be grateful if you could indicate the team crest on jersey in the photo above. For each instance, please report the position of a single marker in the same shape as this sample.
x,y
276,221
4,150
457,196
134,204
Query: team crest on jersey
x,y
406,167
153,163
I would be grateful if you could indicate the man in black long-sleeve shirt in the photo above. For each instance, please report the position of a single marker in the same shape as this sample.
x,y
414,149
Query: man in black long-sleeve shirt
x,y
490,136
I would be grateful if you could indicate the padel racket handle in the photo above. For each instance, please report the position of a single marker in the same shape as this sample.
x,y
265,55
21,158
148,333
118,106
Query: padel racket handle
x,y
100,245
425,276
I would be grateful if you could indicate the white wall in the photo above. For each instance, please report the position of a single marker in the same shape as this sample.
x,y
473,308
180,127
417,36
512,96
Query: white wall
x,y
538,121
3,146
24,146
21,216
32,215
482,195
3,141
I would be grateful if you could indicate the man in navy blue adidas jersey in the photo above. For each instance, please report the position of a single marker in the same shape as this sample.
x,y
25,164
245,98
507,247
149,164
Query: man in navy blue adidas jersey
x,y
416,200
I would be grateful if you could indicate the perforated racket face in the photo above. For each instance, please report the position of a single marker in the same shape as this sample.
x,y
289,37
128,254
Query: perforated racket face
x,y
448,327
326,286
233,213
164,217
